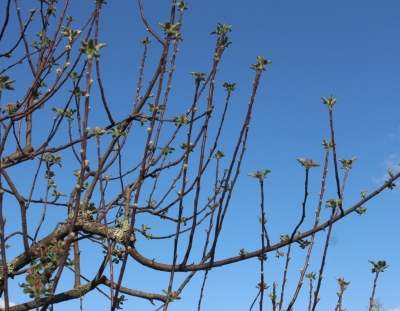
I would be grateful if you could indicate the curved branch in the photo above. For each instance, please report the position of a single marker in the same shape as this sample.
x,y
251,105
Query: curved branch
x,y
195,267
65,296
148,25
135,293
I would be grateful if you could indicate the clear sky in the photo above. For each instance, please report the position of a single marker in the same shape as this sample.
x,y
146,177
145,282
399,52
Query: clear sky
x,y
347,48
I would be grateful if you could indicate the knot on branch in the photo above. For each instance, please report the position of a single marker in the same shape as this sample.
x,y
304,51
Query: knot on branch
x,y
17,157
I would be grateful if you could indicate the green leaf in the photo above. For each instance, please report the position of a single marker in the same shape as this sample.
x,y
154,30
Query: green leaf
x,y
311,275
261,63
284,238
229,87
220,154
167,150
70,33
222,29
70,18
361,210
330,101
379,266
307,163
90,49
186,146
182,5
199,76
146,41
181,120
101,2
327,145
333,203
171,30
98,131
303,243
5,83
346,164
260,174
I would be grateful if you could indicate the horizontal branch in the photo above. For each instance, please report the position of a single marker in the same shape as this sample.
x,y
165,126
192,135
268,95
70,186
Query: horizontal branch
x,y
65,296
83,290
135,293
88,226
17,157
196,267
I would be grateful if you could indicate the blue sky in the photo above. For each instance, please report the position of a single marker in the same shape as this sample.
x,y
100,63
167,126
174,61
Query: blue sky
x,y
346,48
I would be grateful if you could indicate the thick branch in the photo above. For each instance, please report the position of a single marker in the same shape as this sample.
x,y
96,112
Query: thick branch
x,y
165,267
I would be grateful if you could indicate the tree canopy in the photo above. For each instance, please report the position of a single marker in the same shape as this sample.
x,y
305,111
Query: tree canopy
x,y
130,201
